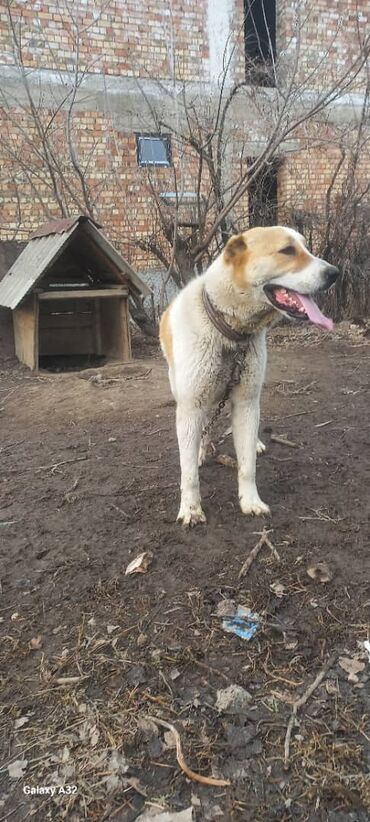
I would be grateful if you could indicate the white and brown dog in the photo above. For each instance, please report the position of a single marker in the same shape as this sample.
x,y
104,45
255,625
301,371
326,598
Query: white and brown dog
x,y
261,274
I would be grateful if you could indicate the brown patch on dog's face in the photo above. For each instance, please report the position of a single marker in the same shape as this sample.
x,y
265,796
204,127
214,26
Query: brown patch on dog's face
x,y
165,335
261,254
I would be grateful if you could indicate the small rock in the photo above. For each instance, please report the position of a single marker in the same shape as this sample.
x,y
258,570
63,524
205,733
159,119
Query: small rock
x,y
233,700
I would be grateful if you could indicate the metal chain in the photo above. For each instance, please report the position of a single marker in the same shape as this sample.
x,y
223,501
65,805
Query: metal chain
x,y
235,377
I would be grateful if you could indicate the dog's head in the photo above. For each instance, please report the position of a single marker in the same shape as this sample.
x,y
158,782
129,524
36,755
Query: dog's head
x,y
273,266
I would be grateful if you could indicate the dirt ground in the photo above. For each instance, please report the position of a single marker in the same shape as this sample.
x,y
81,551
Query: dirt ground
x,y
89,480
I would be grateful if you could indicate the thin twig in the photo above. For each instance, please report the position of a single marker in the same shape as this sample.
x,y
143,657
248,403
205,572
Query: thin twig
x,y
283,441
56,465
302,701
204,780
255,551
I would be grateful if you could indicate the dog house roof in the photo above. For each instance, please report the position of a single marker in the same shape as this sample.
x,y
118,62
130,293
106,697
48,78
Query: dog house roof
x,y
47,244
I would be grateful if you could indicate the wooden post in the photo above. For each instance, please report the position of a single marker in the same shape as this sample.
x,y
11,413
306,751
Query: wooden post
x,y
126,336
26,332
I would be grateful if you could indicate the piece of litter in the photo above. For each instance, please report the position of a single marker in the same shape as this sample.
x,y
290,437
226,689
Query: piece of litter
x,y
16,769
278,589
233,700
112,439
140,564
320,571
244,623
352,667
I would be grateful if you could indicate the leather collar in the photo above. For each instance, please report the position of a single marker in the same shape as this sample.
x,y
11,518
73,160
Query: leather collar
x,y
219,322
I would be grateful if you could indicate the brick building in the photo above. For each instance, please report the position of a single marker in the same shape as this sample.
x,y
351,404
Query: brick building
x,y
93,105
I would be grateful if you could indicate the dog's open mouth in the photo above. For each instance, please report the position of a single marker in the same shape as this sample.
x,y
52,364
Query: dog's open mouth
x,y
298,306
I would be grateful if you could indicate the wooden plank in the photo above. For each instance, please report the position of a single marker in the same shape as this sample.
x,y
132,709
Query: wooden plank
x,y
110,292
115,333
25,322
50,307
126,336
61,321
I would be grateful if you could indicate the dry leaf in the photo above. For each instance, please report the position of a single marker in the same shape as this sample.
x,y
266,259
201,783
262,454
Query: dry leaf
x,y
224,459
94,736
111,628
64,754
140,564
36,643
290,644
352,667
226,607
22,720
320,571
278,589
16,769
169,740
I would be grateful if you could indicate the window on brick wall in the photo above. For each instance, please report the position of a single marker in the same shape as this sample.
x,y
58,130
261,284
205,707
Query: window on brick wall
x,y
260,41
153,149
263,196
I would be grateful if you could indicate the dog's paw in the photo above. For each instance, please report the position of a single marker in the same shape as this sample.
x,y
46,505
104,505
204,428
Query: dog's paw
x,y
190,515
207,448
260,448
202,456
254,507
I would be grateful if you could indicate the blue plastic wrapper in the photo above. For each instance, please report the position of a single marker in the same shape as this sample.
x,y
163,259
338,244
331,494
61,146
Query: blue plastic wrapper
x,y
244,623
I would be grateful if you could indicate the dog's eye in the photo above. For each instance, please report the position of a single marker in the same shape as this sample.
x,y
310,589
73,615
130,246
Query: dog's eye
x,y
289,249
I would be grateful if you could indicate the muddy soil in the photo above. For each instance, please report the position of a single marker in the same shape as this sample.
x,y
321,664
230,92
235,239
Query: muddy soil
x,y
89,480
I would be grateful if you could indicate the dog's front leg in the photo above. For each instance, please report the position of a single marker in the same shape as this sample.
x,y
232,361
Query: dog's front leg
x,y
189,423
245,422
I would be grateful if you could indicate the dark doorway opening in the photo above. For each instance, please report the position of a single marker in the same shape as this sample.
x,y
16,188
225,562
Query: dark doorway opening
x,y
263,196
260,41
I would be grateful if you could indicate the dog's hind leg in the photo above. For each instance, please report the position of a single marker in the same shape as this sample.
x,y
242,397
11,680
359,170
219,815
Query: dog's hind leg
x,y
189,423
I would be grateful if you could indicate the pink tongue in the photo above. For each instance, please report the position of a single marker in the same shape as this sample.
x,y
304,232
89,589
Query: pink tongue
x,y
313,312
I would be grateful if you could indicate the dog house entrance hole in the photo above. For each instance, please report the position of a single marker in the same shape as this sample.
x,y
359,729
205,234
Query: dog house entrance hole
x,y
81,330
70,362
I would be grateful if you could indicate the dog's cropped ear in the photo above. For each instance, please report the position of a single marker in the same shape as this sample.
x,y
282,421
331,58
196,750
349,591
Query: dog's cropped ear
x,y
234,248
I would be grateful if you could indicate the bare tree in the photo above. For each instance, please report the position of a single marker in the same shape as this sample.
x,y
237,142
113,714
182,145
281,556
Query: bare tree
x,y
233,141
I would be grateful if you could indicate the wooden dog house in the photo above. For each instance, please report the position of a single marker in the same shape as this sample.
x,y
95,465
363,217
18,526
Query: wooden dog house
x,y
68,291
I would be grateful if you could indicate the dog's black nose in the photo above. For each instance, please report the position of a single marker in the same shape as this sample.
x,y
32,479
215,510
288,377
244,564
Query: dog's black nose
x,y
331,275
